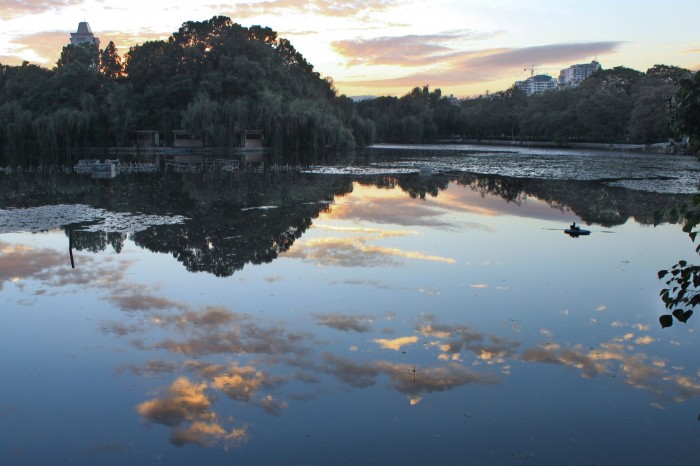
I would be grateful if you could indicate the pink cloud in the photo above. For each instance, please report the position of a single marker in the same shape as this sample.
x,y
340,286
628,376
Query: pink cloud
x,y
12,8
409,50
477,66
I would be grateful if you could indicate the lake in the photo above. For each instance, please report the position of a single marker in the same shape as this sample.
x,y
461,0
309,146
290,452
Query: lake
x,y
404,305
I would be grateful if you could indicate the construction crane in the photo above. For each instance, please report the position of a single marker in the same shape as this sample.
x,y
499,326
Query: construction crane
x,y
532,70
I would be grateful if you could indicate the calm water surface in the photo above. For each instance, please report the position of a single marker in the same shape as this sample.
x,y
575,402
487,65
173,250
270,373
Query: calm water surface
x,y
320,318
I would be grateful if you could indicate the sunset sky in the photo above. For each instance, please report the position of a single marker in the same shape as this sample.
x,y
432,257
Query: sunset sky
x,y
387,47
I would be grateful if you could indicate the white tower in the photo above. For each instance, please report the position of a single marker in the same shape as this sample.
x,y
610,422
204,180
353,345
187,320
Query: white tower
x,y
84,35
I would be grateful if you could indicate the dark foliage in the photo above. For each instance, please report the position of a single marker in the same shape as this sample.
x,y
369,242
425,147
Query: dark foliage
x,y
616,105
215,78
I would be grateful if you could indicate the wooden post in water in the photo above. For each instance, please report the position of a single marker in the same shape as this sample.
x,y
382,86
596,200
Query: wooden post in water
x,y
70,248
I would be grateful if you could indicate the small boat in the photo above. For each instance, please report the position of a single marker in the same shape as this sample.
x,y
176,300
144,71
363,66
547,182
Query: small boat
x,y
575,231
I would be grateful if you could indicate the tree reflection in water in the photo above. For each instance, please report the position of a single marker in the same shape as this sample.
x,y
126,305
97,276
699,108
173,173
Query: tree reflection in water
x,y
234,219
211,367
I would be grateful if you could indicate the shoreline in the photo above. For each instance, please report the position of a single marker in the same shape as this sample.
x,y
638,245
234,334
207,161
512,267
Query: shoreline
x,y
669,147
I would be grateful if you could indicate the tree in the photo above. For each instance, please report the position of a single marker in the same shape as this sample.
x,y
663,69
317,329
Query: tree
x,y
110,62
86,53
685,109
682,291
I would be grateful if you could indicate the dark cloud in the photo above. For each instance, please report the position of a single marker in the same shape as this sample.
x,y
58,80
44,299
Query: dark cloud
x,y
433,379
345,322
150,368
120,328
272,406
369,283
242,338
360,375
587,364
405,378
143,302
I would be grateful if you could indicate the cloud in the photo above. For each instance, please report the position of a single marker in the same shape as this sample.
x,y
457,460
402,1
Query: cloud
x,y
150,368
487,64
360,375
455,339
239,382
329,8
345,322
354,252
406,379
434,379
186,409
45,47
143,302
384,209
566,357
20,263
12,8
227,333
408,50
397,343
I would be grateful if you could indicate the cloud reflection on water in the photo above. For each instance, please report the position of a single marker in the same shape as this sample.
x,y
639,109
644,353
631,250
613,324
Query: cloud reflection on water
x,y
356,251
221,358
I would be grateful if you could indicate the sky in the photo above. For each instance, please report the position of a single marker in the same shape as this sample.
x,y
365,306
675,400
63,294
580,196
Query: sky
x,y
388,47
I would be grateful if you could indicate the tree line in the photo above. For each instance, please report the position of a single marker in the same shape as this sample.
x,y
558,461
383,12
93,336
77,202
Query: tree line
x,y
615,105
217,79
214,78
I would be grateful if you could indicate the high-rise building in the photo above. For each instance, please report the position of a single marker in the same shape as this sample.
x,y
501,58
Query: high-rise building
x,y
84,35
573,75
537,84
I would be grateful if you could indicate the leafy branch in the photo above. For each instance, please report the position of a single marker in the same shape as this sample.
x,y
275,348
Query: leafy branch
x,y
682,291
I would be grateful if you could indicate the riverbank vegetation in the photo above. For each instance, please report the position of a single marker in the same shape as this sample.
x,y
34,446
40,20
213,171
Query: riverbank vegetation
x,y
620,105
214,78
217,79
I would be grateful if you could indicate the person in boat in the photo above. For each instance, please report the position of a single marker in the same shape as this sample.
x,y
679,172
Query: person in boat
x,y
574,227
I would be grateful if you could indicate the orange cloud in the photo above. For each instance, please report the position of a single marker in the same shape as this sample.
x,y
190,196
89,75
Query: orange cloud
x,y
186,409
397,343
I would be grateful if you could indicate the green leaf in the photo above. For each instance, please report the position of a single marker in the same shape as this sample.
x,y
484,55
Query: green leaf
x,y
682,315
666,320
